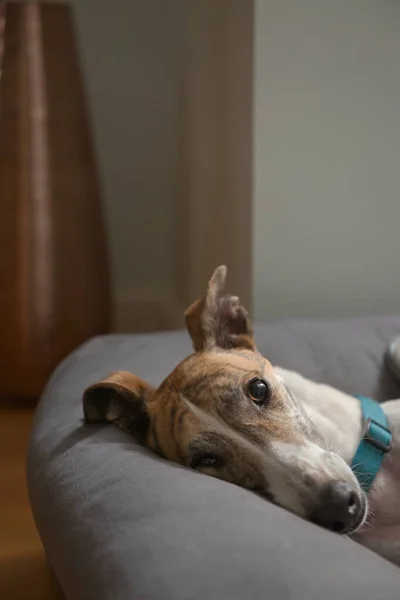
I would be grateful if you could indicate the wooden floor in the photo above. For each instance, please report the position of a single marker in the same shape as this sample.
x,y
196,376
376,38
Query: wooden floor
x,y
24,574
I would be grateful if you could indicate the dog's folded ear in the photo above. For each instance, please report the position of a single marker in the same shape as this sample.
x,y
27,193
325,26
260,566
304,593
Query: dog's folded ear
x,y
121,398
218,319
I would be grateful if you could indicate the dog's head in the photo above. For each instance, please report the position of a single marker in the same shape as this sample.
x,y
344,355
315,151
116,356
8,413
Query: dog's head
x,y
226,412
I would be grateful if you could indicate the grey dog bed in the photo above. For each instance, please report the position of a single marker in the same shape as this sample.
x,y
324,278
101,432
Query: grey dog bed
x,y
119,523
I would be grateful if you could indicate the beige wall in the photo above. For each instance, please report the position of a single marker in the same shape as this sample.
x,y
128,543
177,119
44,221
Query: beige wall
x,y
326,157
130,59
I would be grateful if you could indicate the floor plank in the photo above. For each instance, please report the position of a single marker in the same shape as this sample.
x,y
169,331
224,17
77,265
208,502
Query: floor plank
x,y
24,574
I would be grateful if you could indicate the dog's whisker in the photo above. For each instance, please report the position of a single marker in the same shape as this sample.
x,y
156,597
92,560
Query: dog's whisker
x,y
355,467
367,526
334,449
312,415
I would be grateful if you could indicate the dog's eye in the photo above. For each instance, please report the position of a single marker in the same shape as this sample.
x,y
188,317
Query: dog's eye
x,y
206,460
258,391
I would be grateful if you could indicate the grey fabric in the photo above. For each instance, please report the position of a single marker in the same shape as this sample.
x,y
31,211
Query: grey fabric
x,y
393,357
120,523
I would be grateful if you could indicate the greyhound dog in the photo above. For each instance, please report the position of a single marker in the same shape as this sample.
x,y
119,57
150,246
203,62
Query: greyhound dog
x,y
227,412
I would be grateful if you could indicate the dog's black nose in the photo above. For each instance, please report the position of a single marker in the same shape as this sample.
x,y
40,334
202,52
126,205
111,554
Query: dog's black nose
x,y
339,507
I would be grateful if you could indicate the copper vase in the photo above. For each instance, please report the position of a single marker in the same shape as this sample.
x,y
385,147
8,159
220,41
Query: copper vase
x,y
54,278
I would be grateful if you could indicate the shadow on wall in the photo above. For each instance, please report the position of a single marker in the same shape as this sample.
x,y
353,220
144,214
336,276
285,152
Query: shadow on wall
x,y
174,147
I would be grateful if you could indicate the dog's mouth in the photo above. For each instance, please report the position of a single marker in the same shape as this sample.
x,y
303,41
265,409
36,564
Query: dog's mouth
x,y
359,519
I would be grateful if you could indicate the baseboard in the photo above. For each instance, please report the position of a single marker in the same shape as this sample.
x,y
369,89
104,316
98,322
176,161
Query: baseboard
x,y
146,309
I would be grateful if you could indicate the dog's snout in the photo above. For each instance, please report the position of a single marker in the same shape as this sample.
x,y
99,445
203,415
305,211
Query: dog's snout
x,y
339,507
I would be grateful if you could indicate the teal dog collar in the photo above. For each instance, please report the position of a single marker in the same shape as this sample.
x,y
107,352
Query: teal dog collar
x,y
375,443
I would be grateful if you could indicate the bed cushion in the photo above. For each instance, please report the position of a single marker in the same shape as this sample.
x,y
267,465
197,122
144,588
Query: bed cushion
x,y
119,523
